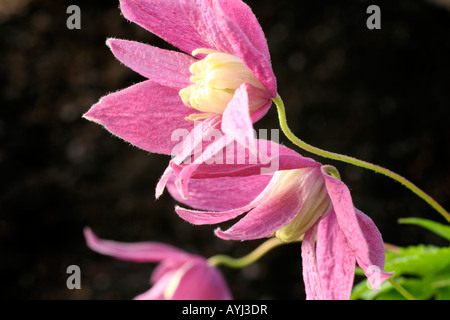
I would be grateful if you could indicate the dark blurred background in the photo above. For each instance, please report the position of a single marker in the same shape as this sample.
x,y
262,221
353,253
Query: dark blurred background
x,y
380,95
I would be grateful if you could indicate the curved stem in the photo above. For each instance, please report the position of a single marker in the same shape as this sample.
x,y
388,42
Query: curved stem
x,y
405,293
244,261
360,163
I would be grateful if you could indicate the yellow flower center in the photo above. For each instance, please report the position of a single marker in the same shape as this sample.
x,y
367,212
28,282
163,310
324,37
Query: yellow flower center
x,y
315,198
216,78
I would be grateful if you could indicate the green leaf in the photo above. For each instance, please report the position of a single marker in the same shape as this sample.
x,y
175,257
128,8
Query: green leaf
x,y
443,294
420,288
423,270
363,290
433,226
418,260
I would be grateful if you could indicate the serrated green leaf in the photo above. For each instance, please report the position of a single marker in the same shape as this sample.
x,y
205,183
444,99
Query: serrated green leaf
x,y
433,226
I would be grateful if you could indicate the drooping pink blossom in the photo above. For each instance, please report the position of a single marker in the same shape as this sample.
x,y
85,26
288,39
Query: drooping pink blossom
x,y
179,275
299,199
223,79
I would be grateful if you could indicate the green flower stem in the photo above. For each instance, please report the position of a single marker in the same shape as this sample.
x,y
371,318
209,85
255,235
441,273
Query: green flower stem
x,y
405,293
244,261
361,163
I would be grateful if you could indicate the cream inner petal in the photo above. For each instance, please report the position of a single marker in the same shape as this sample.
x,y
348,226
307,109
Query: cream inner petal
x,y
215,79
310,185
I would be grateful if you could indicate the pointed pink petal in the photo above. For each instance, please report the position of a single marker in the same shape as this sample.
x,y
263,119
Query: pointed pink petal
x,y
214,217
270,215
221,194
193,144
211,217
161,185
137,252
202,282
236,121
199,138
242,16
271,158
204,157
246,46
373,267
145,114
231,27
168,68
336,261
228,26
195,141
311,277
238,161
172,20
204,217
362,235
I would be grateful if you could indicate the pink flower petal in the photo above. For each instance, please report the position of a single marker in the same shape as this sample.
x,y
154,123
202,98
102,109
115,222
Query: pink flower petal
x,y
237,161
374,264
168,266
261,112
207,156
221,194
161,185
268,216
172,20
282,159
193,144
362,235
214,217
179,275
228,26
202,282
311,277
168,68
336,261
236,121
246,47
137,252
204,217
242,16
145,114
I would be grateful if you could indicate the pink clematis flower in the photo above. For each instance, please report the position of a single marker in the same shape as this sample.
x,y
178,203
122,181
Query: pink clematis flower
x,y
300,199
179,275
224,81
